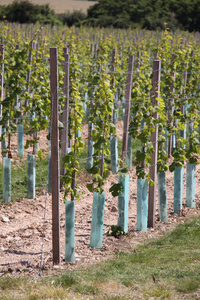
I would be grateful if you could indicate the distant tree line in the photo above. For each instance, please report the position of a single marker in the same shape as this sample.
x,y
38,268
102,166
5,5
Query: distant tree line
x,y
26,12
149,14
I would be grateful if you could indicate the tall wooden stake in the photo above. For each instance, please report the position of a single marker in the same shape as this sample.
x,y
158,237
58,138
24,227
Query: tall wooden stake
x,y
154,139
55,155
29,72
171,107
65,114
127,108
1,81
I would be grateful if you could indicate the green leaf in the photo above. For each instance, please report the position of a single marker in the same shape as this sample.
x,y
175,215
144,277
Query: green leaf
x,y
90,187
116,189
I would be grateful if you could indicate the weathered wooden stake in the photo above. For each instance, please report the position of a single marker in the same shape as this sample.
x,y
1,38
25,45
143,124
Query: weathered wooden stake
x,y
154,140
1,81
190,176
65,114
90,148
123,197
55,155
183,107
29,71
31,176
127,108
171,109
113,138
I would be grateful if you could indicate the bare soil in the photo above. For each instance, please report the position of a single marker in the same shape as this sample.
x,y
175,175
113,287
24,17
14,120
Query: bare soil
x,y
22,223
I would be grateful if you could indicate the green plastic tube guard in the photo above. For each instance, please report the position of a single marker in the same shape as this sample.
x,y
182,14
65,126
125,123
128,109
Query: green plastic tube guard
x,y
90,152
69,231
20,140
190,185
114,153
129,153
6,180
97,220
142,204
123,199
178,189
162,196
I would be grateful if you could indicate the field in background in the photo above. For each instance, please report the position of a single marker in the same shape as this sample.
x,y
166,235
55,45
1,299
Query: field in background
x,y
60,6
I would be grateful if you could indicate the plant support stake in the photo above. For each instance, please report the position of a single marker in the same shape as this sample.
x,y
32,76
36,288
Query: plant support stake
x,y
55,155
65,114
124,195
1,81
154,139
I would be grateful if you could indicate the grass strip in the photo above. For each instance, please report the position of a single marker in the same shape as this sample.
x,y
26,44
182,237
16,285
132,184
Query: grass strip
x,y
164,268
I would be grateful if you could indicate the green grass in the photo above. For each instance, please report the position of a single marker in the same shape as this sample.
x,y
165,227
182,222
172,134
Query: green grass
x,y
164,268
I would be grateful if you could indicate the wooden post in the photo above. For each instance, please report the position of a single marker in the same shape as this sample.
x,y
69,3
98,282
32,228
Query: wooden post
x,y
114,53
113,137
171,107
90,148
183,107
112,83
127,108
123,197
17,97
55,155
65,114
138,63
154,139
29,72
1,81
95,50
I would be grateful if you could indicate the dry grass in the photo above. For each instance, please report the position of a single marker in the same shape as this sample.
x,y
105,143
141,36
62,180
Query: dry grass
x,y
60,6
